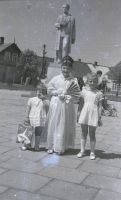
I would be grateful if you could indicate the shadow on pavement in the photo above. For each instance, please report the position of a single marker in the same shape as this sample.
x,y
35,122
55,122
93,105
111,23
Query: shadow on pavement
x,y
103,155
72,152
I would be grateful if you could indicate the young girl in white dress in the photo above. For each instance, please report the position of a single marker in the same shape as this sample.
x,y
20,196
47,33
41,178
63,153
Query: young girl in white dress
x,y
90,116
36,116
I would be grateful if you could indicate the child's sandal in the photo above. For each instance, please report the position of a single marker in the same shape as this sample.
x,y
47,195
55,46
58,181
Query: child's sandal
x,y
80,154
50,151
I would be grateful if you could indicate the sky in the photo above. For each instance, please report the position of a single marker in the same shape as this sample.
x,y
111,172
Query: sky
x,y
98,27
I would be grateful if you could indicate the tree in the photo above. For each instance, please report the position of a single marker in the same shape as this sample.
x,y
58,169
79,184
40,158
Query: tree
x,y
29,66
116,73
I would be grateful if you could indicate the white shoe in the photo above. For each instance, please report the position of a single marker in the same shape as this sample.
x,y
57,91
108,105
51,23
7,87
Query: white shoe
x,y
59,61
50,151
92,156
23,148
80,154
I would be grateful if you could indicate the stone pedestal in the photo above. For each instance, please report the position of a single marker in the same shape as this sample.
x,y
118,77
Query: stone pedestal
x,y
54,69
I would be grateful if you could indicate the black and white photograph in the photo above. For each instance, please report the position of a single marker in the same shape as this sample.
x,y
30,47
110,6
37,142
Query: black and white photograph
x,y
60,99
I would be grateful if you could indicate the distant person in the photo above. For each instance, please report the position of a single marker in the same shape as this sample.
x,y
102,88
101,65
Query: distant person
x,y
99,75
90,116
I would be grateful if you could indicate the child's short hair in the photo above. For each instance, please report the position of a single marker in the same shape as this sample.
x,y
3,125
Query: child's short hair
x,y
42,87
92,76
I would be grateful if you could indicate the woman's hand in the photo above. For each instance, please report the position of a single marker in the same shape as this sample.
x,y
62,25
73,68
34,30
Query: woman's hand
x,y
62,97
54,93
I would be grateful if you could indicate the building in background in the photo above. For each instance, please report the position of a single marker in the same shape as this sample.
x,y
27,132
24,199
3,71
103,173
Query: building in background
x,y
9,55
80,68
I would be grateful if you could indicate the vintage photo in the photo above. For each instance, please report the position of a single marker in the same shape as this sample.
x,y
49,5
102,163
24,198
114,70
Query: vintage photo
x,y
60,100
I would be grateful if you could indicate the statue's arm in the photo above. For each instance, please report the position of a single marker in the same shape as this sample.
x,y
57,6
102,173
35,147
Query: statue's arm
x,y
57,24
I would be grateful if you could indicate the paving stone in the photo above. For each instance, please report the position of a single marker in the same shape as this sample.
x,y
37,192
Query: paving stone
x,y
119,175
2,140
103,182
107,195
23,181
116,148
96,168
22,165
22,195
29,155
4,157
4,149
67,174
10,144
2,170
3,189
111,159
68,191
60,161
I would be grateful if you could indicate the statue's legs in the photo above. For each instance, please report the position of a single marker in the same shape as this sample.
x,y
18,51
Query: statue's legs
x,y
60,51
66,46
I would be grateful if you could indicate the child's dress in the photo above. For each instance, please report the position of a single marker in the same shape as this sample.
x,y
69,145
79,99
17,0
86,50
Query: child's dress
x,y
89,114
37,116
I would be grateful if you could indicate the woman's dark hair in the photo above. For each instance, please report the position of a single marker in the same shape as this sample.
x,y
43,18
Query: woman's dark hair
x,y
67,61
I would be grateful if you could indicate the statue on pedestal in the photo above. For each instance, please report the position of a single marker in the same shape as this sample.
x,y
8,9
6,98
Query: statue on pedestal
x,y
65,26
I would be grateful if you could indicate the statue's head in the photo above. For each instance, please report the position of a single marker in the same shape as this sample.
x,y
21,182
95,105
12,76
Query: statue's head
x,y
66,66
66,7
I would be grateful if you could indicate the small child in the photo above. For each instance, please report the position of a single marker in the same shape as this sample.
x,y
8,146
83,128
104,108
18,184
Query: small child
x,y
37,108
90,116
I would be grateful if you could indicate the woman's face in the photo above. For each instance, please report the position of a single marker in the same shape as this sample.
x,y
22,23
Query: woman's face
x,y
66,70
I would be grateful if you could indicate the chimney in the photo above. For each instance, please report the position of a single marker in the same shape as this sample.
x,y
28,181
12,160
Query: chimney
x,y
95,63
2,40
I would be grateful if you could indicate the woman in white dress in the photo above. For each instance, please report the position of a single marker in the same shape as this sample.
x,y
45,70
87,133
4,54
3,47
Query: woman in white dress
x,y
90,116
62,111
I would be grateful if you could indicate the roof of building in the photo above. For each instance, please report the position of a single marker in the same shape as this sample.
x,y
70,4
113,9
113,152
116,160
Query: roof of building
x,y
104,69
92,68
6,45
80,69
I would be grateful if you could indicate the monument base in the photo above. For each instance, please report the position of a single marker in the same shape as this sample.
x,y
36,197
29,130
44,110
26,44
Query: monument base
x,y
54,69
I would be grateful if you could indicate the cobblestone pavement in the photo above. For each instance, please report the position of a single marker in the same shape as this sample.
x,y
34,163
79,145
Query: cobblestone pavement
x,y
39,176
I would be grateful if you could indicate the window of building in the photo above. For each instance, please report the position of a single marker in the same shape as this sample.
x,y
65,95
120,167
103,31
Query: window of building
x,y
7,56
14,57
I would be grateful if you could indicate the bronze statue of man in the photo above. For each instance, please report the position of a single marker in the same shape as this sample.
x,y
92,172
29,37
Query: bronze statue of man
x,y
66,33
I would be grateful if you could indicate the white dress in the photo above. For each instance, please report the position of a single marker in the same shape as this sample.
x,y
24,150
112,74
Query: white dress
x,y
38,116
89,113
37,113
61,119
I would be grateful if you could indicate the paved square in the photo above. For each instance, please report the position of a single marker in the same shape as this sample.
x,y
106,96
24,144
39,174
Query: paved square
x,y
39,176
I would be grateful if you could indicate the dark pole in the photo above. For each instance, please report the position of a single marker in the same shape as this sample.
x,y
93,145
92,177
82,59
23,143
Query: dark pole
x,y
43,62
